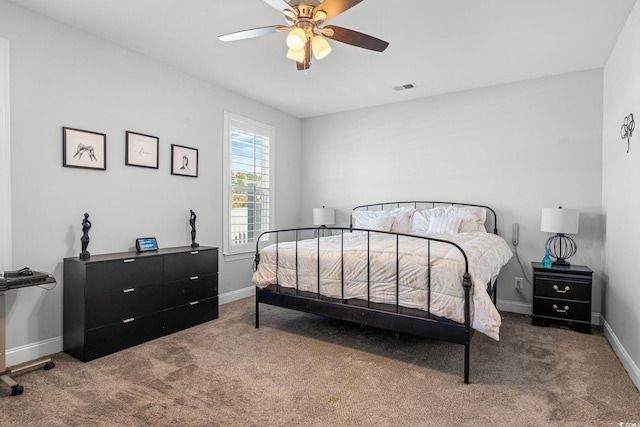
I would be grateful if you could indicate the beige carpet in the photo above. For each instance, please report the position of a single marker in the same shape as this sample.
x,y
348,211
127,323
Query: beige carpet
x,y
305,370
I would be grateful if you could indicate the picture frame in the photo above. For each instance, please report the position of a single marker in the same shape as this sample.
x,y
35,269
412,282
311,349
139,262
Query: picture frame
x,y
141,150
84,149
184,161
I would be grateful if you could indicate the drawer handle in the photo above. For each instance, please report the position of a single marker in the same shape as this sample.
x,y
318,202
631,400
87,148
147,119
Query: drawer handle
x,y
128,290
566,289
193,278
194,302
193,252
131,319
129,260
566,308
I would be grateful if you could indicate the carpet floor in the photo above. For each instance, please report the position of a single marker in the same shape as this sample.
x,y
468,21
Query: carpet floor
x,y
299,369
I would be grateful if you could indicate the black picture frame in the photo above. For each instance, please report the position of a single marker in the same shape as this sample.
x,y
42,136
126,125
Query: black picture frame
x,y
84,149
141,150
184,161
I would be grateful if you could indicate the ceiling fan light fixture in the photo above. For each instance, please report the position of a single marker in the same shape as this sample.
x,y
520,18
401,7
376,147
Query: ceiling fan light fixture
x,y
320,15
296,39
296,55
320,47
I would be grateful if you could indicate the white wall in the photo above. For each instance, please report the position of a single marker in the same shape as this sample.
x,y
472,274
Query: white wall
x,y
621,197
518,148
63,77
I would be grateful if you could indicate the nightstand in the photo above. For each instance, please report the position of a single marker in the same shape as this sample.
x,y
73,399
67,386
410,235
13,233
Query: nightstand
x,y
562,296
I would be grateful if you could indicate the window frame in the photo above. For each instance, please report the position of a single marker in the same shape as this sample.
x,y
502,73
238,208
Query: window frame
x,y
232,120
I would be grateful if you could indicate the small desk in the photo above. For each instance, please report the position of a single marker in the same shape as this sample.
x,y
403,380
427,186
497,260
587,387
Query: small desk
x,y
6,284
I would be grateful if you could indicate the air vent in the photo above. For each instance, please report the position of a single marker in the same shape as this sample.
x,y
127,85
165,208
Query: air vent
x,y
404,87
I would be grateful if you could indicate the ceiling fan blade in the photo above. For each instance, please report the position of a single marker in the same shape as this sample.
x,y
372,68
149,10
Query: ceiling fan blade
x,y
334,7
248,34
354,38
279,5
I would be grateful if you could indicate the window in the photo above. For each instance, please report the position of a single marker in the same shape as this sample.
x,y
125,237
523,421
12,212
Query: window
x,y
248,188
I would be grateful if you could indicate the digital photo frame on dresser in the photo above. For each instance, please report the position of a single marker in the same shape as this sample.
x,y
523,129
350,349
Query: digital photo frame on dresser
x,y
145,244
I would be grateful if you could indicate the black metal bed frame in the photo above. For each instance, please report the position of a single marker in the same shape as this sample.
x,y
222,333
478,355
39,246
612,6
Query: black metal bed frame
x,y
425,325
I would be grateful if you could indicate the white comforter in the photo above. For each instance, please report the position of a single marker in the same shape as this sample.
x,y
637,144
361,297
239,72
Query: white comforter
x,y
487,253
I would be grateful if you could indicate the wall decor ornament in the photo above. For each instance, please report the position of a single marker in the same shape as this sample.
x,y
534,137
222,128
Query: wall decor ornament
x,y
84,149
141,150
184,161
86,226
626,131
192,222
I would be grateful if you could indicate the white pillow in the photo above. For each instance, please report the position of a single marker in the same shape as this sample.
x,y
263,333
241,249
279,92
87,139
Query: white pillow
x,y
448,224
361,219
373,220
402,219
473,218
382,223
421,218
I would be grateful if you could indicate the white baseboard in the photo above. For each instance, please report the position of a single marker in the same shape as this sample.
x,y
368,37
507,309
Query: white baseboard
x,y
33,351
40,349
632,369
526,308
514,306
228,297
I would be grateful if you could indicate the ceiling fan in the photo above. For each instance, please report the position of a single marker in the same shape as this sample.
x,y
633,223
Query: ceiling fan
x,y
306,27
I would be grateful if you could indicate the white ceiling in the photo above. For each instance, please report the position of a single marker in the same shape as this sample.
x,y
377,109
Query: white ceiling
x,y
439,45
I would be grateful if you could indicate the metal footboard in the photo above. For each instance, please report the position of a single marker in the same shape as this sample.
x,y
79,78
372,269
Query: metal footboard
x,y
369,313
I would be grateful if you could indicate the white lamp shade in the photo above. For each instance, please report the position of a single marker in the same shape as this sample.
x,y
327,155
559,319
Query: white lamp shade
x,y
296,55
560,221
296,39
324,216
320,47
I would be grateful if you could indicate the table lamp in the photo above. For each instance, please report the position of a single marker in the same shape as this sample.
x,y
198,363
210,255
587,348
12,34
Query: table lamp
x,y
324,216
562,222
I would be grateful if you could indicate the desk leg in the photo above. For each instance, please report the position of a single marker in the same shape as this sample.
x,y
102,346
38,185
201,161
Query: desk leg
x,y
3,343
16,389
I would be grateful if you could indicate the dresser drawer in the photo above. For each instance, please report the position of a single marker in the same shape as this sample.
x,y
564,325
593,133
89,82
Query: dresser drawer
x,y
185,316
187,264
564,289
192,289
562,309
110,276
118,336
117,306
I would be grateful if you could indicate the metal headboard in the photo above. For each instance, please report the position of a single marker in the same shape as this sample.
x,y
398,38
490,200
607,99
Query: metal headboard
x,y
419,203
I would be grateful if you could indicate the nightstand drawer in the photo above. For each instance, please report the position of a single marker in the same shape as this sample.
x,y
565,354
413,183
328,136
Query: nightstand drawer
x,y
564,289
562,309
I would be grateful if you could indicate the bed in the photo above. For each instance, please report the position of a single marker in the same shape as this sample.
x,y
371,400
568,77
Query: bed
x,y
419,267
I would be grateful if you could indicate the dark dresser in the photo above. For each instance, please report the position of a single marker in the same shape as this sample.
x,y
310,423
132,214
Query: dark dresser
x,y
562,296
116,301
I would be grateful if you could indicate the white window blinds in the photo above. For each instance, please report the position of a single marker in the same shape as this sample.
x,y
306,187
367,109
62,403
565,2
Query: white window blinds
x,y
249,183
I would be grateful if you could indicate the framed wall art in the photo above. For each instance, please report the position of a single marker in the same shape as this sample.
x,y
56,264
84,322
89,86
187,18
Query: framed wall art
x,y
141,150
184,161
84,149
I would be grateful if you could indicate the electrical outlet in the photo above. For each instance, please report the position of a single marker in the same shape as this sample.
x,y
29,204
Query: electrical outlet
x,y
518,283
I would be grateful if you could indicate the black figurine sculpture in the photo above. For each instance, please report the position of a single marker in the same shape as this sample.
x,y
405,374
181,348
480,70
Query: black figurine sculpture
x,y
192,222
86,226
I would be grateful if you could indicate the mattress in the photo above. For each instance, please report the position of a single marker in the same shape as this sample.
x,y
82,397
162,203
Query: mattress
x,y
387,277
